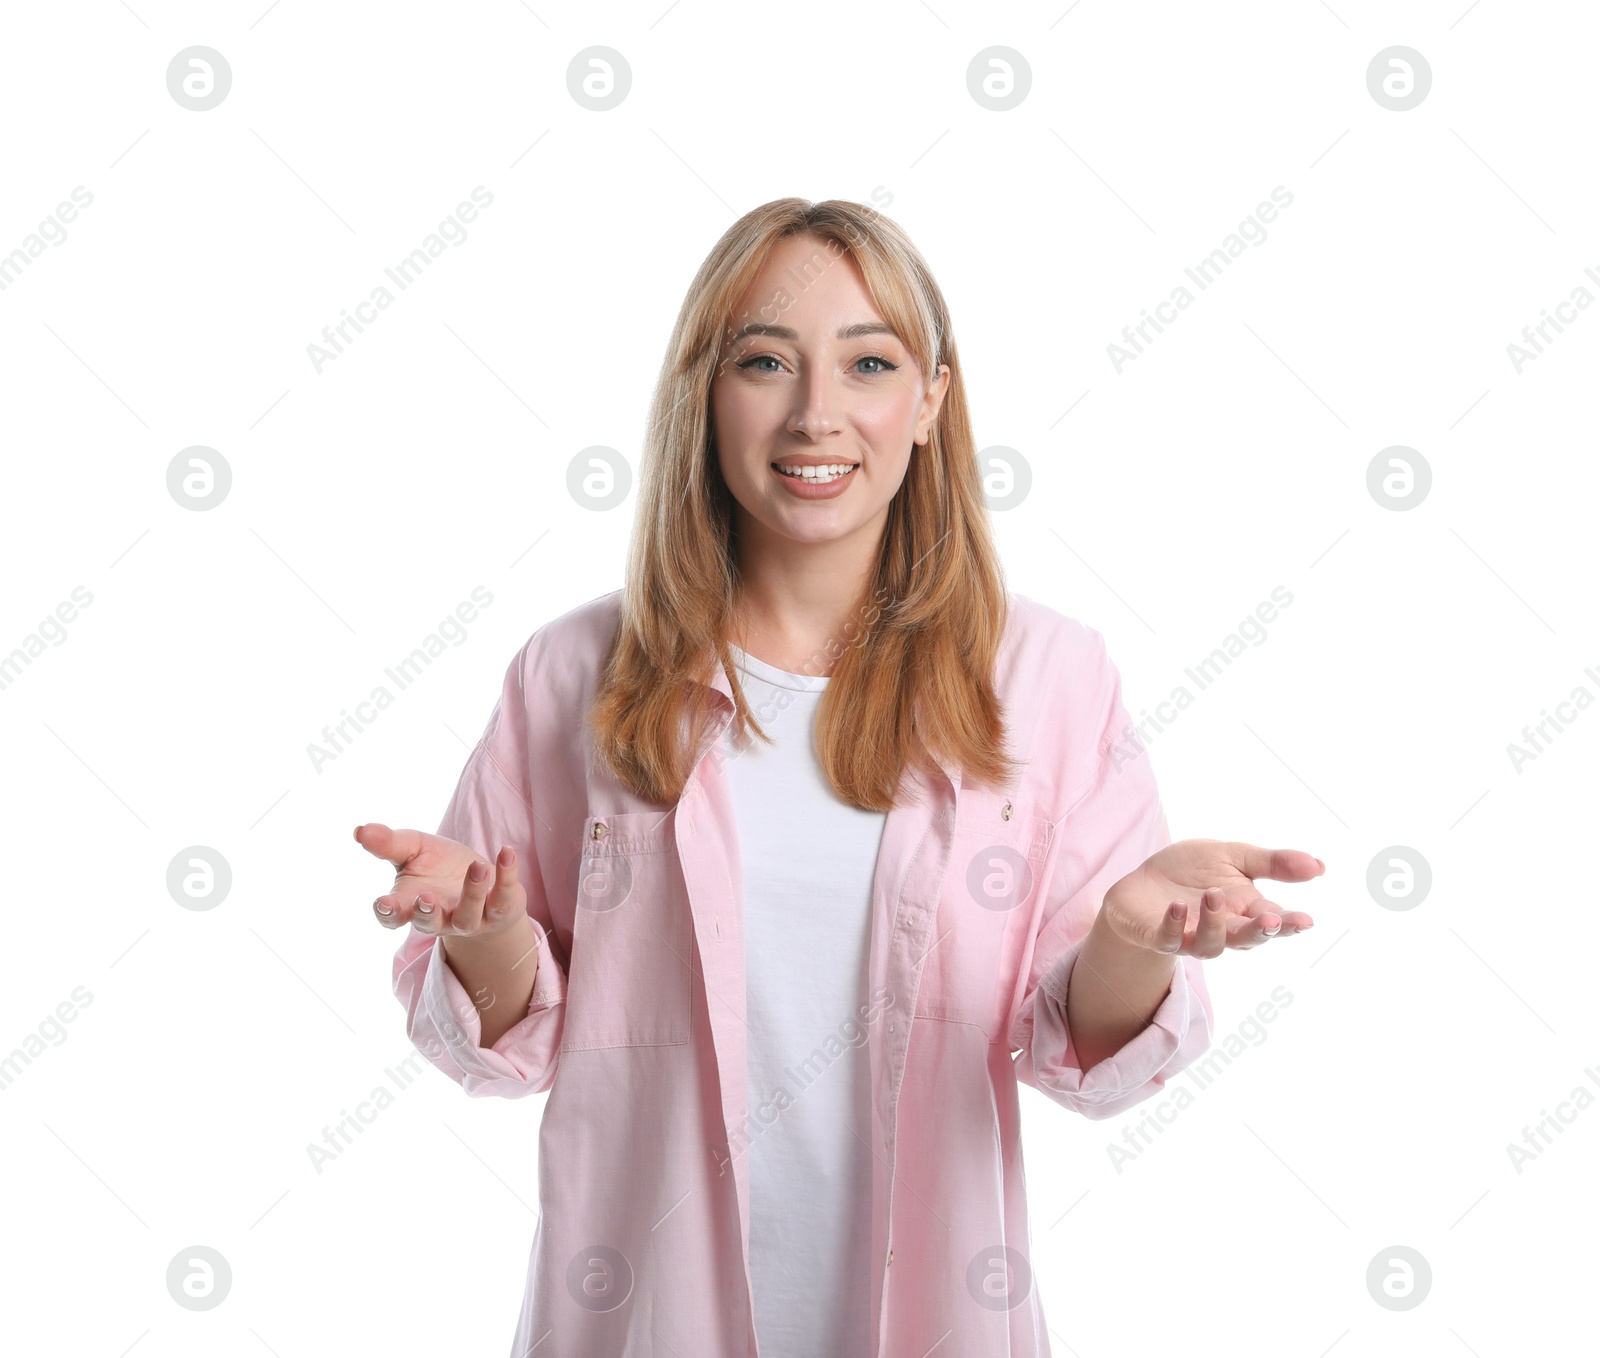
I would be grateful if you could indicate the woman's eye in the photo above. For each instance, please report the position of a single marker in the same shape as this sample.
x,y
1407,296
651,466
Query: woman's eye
x,y
883,364
878,358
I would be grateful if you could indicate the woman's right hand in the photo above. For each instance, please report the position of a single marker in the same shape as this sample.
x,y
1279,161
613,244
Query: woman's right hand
x,y
444,887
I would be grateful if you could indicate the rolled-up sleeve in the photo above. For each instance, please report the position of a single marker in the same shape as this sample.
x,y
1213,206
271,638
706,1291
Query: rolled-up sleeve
x,y
1113,823
492,806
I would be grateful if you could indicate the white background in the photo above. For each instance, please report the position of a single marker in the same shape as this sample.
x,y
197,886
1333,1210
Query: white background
x,y
368,500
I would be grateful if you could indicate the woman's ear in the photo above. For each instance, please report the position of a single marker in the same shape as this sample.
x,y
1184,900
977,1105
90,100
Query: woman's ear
x,y
932,400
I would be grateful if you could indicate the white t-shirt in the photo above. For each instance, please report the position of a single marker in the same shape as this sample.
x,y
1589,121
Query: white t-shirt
x,y
808,865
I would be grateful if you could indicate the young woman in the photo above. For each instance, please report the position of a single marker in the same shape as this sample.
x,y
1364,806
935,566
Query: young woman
x,y
782,866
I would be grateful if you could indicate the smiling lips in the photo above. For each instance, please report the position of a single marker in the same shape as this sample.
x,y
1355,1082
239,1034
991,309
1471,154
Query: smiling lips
x,y
814,480
821,474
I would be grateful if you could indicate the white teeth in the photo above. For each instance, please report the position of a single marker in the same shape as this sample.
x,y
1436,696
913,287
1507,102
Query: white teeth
x,y
823,474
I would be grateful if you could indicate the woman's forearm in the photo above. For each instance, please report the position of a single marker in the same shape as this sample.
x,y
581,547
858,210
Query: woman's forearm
x,y
1113,992
498,973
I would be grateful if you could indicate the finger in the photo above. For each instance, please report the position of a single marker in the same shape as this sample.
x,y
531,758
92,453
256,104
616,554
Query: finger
x,y
387,909
397,908
1254,927
1279,865
1211,932
427,911
396,846
507,896
1168,936
468,914
1290,921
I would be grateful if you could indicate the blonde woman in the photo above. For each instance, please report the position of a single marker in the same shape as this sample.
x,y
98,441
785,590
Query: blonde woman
x,y
781,867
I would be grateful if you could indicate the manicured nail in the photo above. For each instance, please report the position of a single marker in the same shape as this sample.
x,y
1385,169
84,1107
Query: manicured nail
x,y
382,908
424,907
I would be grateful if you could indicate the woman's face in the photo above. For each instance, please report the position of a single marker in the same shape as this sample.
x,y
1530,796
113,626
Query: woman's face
x,y
811,381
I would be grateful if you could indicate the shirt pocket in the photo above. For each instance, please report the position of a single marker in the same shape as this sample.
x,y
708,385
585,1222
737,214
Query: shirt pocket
x,y
991,886
629,976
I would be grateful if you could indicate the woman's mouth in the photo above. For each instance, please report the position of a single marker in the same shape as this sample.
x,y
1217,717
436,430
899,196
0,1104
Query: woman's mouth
x,y
822,475
821,481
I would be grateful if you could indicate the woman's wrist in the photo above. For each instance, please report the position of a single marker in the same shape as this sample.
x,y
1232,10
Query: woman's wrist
x,y
1121,954
510,943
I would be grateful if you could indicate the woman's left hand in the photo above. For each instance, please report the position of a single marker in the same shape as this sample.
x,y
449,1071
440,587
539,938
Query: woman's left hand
x,y
1198,896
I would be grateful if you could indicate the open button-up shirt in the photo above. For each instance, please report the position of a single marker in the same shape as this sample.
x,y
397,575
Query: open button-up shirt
x,y
981,900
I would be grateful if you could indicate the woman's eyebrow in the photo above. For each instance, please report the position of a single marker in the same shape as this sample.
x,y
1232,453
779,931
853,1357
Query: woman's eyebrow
x,y
847,332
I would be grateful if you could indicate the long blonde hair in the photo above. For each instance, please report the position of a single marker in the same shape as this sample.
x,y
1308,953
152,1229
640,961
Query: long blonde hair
x,y
913,673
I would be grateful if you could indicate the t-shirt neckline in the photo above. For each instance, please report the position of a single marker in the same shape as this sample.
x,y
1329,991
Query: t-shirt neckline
x,y
800,683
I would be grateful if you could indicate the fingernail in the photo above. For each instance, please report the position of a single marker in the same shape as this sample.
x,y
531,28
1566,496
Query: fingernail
x,y
382,908
424,907
477,872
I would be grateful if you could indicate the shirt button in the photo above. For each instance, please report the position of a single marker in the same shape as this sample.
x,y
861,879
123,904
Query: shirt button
x,y
599,830
890,1259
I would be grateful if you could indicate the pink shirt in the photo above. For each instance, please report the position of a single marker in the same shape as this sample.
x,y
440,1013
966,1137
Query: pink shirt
x,y
636,1026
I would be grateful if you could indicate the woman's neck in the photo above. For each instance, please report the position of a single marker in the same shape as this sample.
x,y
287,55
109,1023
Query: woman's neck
x,y
797,605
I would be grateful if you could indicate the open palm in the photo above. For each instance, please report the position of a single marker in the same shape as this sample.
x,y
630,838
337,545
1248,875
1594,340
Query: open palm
x,y
1199,896
443,887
